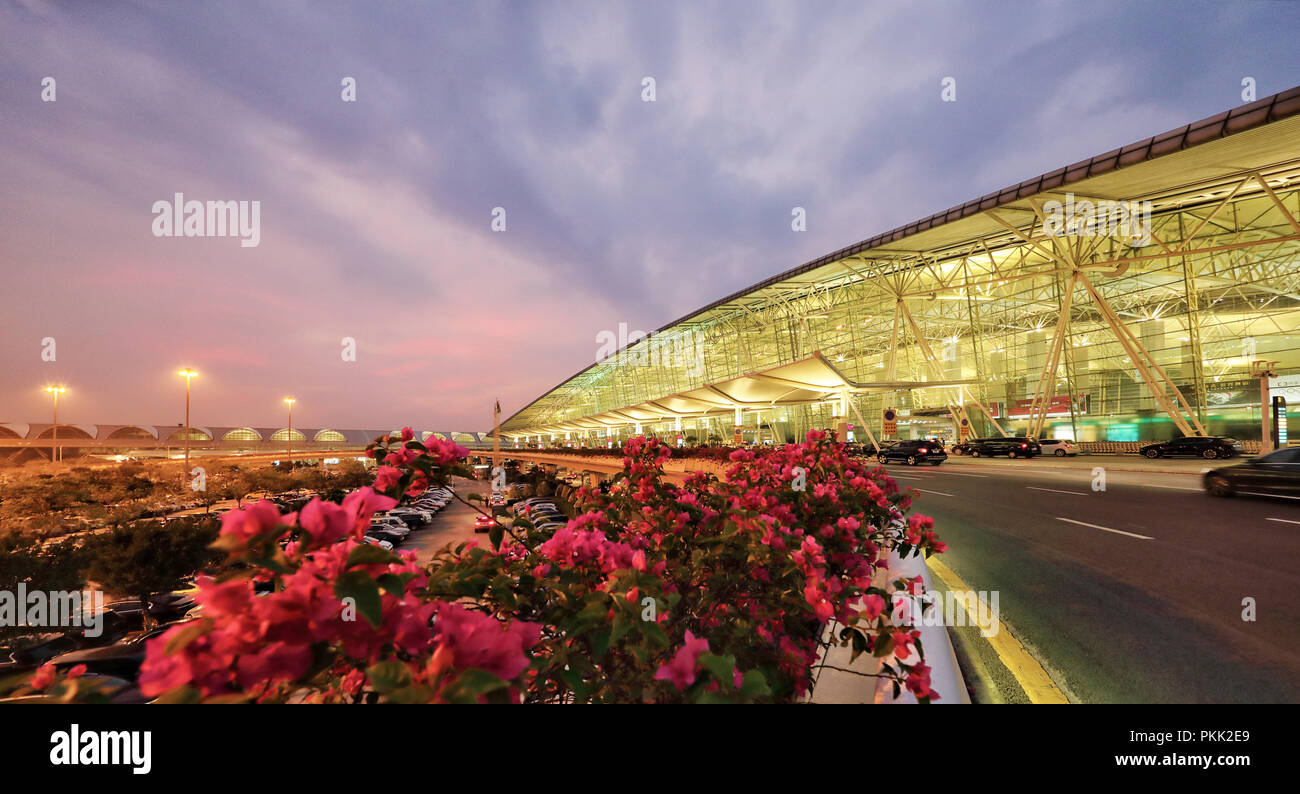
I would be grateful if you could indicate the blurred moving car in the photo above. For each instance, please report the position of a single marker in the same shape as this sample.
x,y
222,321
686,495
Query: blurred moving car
x,y
1274,474
1208,447
1060,447
484,523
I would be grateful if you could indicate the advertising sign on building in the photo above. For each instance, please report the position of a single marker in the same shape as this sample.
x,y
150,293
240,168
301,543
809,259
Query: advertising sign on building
x,y
890,424
1059,406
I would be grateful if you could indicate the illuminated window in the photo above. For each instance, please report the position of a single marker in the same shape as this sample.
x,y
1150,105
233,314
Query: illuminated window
x,y
242,434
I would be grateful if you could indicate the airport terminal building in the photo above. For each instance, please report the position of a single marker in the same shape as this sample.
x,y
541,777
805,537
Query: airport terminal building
x,y
1124,298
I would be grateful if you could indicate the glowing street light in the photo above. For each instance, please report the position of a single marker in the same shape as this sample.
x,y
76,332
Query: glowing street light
x,y
288,437
56,391
188,374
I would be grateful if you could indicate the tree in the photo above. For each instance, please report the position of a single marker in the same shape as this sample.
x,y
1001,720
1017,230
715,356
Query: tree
x,y
146,557
46,567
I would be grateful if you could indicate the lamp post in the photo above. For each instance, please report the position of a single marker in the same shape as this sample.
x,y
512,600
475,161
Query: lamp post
x,y
56,391
188,374
288,437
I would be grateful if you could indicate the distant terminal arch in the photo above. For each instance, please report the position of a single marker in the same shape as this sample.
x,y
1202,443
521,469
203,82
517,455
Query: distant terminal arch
x,y
284,434
132,433
196,434
67,432
464,438
330,437
242,434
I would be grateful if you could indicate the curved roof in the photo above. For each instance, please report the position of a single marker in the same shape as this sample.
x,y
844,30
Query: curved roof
x,y
1174,169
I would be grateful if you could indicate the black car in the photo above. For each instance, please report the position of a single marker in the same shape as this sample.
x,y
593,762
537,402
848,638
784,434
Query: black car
x,y
1208,447
914,453
382,534
1011,446
1274,474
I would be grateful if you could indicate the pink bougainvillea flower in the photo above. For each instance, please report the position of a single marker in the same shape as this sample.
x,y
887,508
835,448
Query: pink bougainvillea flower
x,y
681,668
250,520
873,606
481,642
387,478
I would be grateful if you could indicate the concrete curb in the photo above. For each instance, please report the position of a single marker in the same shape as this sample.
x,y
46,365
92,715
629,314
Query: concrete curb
x,y
836,686
945,674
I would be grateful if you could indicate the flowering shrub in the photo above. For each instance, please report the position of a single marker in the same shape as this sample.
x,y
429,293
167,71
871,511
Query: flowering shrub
x,y
711,591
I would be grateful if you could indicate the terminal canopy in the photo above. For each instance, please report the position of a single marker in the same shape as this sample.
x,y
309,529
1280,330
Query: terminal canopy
x,y
804,382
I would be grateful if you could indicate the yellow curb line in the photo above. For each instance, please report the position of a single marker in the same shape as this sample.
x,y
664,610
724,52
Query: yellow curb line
x,y
1031,676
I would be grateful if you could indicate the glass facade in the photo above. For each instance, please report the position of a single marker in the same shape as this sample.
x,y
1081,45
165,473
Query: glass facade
x,y
1157,331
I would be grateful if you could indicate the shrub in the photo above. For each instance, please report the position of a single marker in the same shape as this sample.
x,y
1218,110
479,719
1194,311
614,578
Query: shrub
x,y
713,591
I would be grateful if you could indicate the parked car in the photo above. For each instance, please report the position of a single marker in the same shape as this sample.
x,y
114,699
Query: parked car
x,y
122,659
1274,474
374,541
1059,447
1208,447
914,453
1011,446
384,534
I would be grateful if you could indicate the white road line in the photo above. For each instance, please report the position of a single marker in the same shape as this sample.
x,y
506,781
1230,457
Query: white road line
x,y
1283,520
1149,485
1105,529
963,474
1054,490
940,493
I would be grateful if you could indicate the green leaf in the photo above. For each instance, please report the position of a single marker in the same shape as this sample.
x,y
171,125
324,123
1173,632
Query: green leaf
x,y
388,676
363,590
754,685
470,685
412,694
600,642
622,625
368,554
394,584
495,534
720,666
181,694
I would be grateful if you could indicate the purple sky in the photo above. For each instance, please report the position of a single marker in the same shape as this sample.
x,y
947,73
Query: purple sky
x,y
375,215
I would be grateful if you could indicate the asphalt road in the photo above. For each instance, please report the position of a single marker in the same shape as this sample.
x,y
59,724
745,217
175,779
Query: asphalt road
x,y
1134,593
455,523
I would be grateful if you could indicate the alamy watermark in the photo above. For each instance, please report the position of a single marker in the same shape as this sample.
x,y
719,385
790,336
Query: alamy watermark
x,y
1098,218
952,608
54,609
181,218
684,349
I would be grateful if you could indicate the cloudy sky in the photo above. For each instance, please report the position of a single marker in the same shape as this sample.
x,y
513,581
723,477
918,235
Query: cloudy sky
x,y
376,214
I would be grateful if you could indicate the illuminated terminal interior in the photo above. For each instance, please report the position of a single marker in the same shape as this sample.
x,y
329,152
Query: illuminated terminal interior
x,y
1089,332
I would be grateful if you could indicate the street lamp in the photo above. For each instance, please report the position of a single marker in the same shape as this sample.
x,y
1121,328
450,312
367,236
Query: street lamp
x,y
288,437
56,391
187,374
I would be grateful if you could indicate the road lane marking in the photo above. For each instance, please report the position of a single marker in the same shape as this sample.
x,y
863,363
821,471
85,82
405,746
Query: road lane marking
x,y
1031,676
1053,490
1283,520
1149,485
963,474
1105,529
940,493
